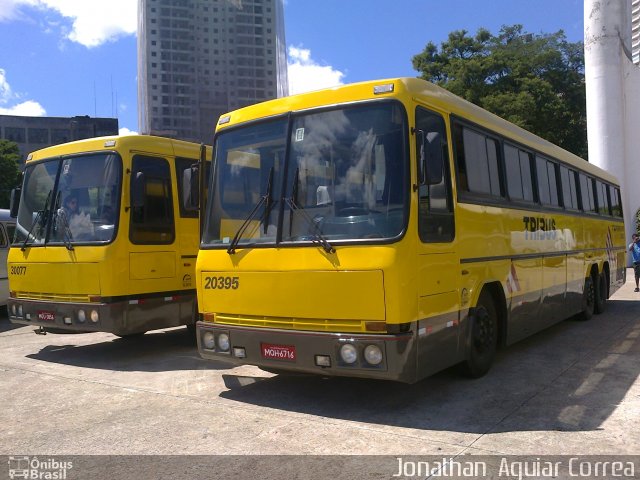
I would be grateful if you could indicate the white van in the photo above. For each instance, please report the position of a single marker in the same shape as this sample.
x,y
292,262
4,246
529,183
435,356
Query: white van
x,y
7,229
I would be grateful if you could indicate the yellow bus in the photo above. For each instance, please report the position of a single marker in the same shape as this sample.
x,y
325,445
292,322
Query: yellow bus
x,y
390,229
103,241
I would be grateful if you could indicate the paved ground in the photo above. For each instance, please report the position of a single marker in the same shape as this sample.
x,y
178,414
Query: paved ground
x,y
573,389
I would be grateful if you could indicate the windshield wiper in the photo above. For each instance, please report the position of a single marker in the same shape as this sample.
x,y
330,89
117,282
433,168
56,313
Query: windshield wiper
x,y
268,202
61,214
292,202
40,219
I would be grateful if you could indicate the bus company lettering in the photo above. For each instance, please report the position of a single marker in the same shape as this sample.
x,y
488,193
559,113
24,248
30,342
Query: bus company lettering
x,y
539,228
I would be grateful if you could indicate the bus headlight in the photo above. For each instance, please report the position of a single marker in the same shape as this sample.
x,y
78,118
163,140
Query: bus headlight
x,y
373,354
14,310
20,310
349,353
223,342
82,316
208,340
95,316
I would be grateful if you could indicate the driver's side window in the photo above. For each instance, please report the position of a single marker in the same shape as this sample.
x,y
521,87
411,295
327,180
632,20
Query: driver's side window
x,y
435,209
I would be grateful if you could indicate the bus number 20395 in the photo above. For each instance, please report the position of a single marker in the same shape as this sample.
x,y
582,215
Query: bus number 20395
x,y
221,283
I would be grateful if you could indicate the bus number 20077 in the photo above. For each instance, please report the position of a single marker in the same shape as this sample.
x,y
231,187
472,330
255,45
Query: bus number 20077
x,y
221,283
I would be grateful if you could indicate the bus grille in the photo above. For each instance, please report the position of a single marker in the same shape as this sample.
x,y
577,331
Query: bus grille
x,y
54,297
309,324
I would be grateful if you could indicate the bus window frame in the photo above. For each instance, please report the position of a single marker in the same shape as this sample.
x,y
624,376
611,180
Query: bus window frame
x,y
447,179
557,180
603,188
180,164
169,196
466,196
590,182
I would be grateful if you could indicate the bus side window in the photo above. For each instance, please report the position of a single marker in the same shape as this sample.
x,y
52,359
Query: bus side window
x,y
183,164
603,200
477,162
435,210
547,181
152,222
616,206
569,191
586,194
518,170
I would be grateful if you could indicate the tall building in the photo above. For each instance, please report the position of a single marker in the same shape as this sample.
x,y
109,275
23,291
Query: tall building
x,y
34,133
198,59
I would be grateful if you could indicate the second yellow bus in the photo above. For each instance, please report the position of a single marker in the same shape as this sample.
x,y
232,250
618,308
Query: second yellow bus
x,y
103,242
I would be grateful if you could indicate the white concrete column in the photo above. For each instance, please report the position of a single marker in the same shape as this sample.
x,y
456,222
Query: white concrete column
x,y
607,43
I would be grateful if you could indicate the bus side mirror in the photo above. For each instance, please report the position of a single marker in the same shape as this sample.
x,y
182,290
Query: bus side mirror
x,y
138,182
191,189
430,158
14,202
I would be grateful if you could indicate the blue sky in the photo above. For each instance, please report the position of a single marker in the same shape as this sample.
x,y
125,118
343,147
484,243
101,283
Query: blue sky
x,y
78,57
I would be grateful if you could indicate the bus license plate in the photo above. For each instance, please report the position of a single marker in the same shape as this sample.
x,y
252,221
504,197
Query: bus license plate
x,y
46,316
278,352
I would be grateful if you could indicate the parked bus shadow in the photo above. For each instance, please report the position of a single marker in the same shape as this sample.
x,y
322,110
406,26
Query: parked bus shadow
x,y
165,350
569,377
6,325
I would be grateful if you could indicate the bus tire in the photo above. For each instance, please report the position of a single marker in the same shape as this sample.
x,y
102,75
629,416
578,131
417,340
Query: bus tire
x,y
601,293
588,299
483,338
191,327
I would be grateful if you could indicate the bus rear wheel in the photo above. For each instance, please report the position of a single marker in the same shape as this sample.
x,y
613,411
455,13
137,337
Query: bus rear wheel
x,y
601,293
483,338
588,299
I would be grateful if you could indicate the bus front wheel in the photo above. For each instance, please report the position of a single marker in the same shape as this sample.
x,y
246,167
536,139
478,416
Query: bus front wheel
x,y
483,338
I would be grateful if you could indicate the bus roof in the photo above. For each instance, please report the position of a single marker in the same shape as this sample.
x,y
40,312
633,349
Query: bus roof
x,y
422,92
138,143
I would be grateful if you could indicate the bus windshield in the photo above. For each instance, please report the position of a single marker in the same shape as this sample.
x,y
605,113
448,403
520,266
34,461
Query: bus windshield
x,y
346,178
70,200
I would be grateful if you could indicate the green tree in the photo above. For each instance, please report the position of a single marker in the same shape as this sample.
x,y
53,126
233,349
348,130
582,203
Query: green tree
x,y
534,81
9,170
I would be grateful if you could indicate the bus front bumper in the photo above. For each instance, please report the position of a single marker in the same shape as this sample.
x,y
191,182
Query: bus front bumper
x,y
319,353
65,317
119,317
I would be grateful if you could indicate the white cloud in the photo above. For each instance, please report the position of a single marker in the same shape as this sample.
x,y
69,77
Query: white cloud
x,y
25,109
5,88
10,9
28,108
305,75
94,22
125,131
